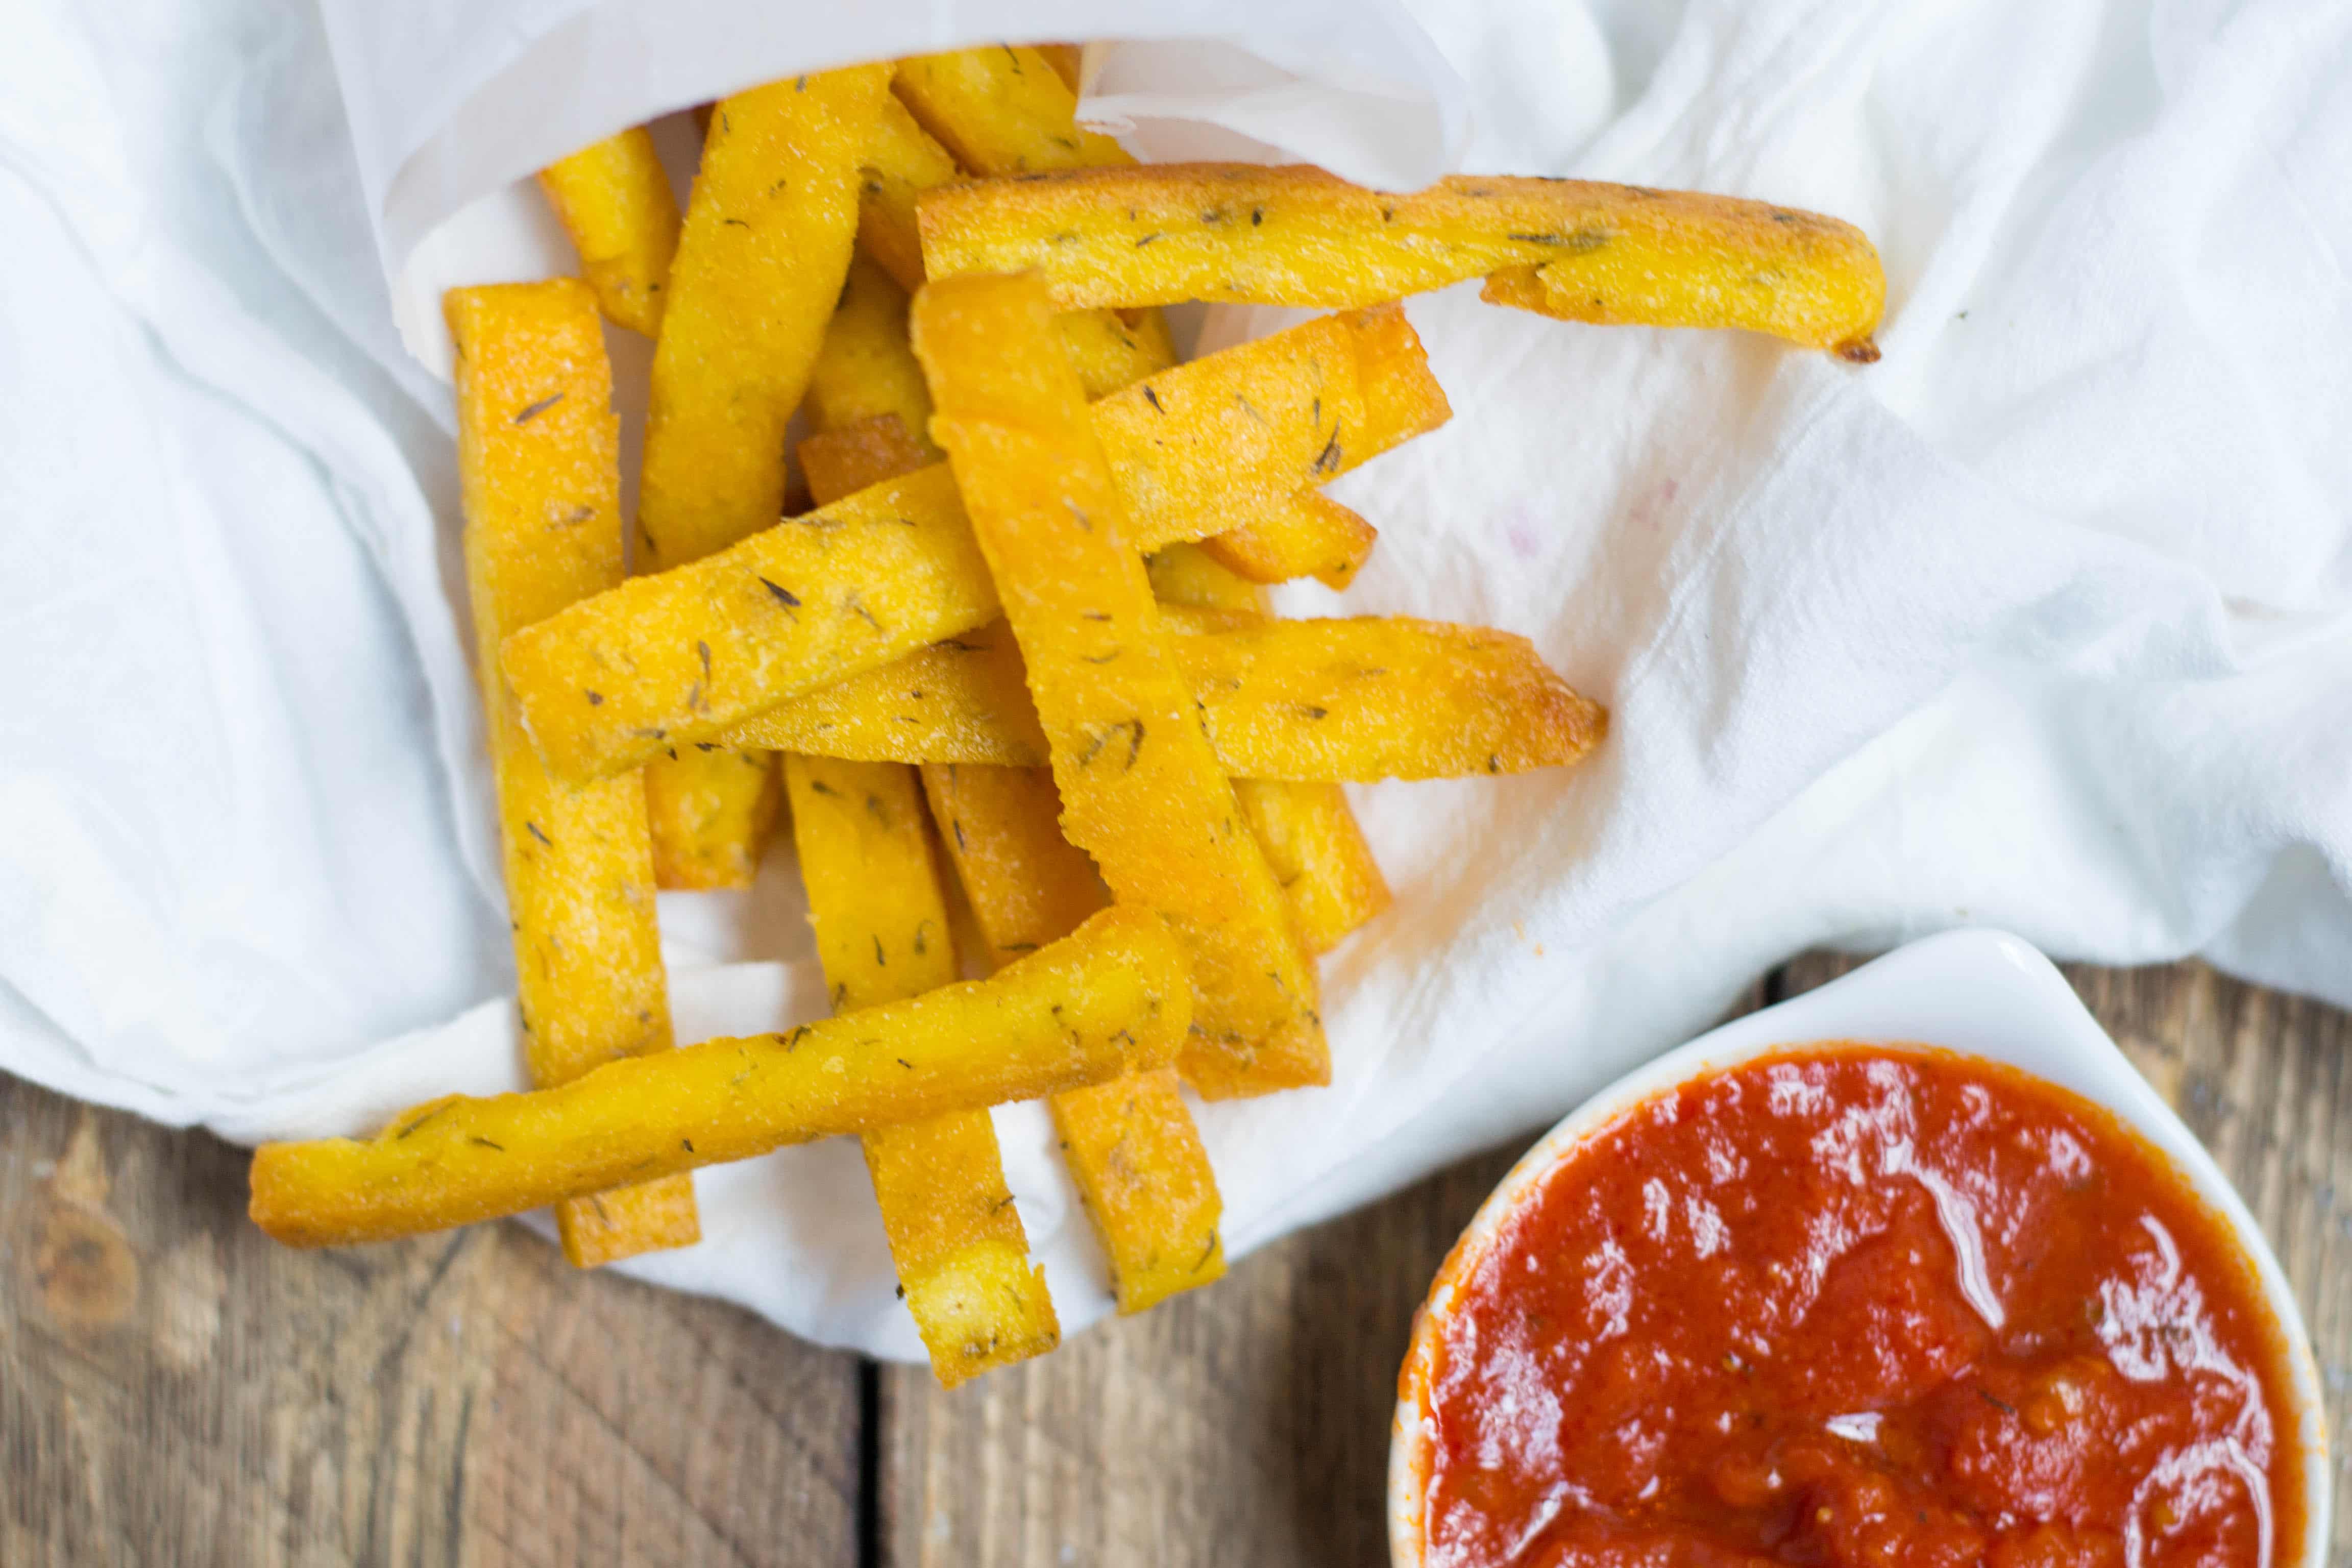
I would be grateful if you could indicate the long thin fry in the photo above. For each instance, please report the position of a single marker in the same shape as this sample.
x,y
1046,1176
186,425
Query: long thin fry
x,y
1112,998
538,448
1113,349
902,162
1141,791
1280,537
864,367
1308,832
882,935
1344,389
1317,851
1002,110
1131,1145
759,266
837,464
1190,576
615,201
1300,237
1110,349
673,660
1316,701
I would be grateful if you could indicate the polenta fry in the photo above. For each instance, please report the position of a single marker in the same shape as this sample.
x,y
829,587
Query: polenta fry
x,y
1068,60
1130,1145
1353,701
1111,997
901,163
1111,349
1141,791
671,660
1316,849
1002,111
1303,527
1242,432
837,464
882,935
615,201
1300,237
1308,832
538,449
964,700
864,367
1188,576
1002,827
759,266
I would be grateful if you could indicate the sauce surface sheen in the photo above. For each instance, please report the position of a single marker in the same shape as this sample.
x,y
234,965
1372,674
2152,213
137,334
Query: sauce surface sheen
x,y
1853,1305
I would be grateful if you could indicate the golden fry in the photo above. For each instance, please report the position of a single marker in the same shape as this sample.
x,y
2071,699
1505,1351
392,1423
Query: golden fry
x,y
1131,1145
1188,575
1402,397
674,659
864,367
1368,698
1313,701
965,700
1110,348
1111,351
1067,60
1141,791
1001,111
1308,530
1002,827
1678,280
1111,997
839,463
1317,851
1300,237
1135,1152
881,922
1308,832
759,266
901,163
1239,433
615,201
538,458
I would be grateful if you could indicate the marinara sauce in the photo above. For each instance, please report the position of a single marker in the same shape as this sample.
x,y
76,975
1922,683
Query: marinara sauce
x,y
1849,1305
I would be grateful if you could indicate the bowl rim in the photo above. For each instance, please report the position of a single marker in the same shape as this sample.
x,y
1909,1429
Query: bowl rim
x,y
1974,992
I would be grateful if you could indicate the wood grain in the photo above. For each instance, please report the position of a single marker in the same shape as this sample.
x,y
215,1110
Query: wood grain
x,y
173,1388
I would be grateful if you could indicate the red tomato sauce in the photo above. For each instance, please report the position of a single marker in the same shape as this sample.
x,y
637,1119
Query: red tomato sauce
x,y
1849,1305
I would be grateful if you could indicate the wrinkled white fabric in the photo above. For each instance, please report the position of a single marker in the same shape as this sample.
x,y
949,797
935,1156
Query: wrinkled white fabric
x,y
2045,621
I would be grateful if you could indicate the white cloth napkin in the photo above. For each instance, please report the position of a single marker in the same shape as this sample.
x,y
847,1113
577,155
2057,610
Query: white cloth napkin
x,y
2045,621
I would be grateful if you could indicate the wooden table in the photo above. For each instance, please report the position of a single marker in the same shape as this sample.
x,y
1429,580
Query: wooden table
x,y
175,1389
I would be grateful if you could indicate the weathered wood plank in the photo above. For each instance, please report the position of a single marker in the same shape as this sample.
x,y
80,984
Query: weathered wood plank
x,y
176,1388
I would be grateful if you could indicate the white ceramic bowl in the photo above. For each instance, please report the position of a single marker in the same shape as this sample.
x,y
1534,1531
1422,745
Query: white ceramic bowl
x,y
1974,993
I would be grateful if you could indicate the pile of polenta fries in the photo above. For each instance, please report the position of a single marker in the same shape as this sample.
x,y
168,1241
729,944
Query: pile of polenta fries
x,y
1015,628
